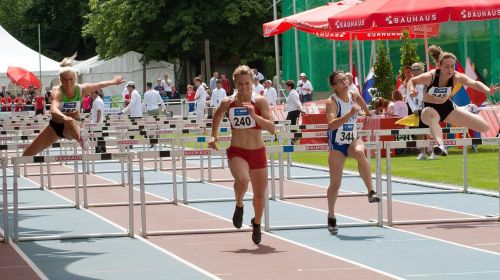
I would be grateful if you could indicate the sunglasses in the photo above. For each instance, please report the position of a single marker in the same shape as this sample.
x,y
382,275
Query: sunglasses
x,y
416,69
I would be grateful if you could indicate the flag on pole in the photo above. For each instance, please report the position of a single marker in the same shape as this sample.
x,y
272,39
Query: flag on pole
x,y
369,82
460,97
476,97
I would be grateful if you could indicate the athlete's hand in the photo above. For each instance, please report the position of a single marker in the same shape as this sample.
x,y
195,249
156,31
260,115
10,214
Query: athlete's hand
x,y
212,144
118,80
493,89
250,108
355,108
413,93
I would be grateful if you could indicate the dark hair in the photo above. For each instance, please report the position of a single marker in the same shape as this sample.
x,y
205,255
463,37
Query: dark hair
x,y
149,84
332,76
438,55
396,95
380,103
218,81
290,83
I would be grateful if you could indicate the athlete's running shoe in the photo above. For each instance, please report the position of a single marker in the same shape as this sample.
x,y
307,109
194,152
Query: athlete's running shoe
x,y
440,150
373,197
238,216
256,234
84,138
332,226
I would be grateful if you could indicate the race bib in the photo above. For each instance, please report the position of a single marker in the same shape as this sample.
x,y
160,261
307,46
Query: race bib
x,y
346,133
439,92
70,107
240,118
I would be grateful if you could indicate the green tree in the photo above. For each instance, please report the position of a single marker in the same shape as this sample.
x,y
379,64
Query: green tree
x,y
384,81
408,52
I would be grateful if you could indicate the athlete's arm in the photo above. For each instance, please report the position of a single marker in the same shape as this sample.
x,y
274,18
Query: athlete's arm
x,y
331,113
91,87
266,120
477,85
57,115
424,79
219,113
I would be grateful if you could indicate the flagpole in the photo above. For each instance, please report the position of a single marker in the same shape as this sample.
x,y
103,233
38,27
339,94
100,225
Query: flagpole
x,y
40,58
277,50
426,43
297,54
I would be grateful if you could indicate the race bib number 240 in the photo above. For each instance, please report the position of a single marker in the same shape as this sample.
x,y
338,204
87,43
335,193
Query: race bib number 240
x,y
240,118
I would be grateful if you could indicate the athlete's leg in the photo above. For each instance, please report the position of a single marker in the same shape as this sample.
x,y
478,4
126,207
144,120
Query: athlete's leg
x,y
461,117
240,171
45,138
357,151
336,162
431,118
72,130
258,177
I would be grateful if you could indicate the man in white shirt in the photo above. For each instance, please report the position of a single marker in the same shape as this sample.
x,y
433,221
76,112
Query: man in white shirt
x,y
270,93
257,88
97,114
213,81
352,86
167,85
218,94
134,108
200,99
304,88
151,100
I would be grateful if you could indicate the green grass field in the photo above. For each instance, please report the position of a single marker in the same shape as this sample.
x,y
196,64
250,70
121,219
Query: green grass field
x,y
482,165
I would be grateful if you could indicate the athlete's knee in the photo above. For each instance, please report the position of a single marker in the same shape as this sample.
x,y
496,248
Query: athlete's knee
x,y
241,181
483,127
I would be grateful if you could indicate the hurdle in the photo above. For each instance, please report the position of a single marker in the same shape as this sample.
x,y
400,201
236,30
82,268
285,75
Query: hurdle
x,y
4,237
174,154
75,158
428,143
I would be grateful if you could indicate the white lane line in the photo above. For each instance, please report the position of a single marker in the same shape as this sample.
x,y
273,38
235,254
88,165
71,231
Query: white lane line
x,y
486,244
453,273
327,269
138,237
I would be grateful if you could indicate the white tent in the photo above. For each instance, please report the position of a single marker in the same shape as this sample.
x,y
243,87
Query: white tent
x,y
128,65
15,53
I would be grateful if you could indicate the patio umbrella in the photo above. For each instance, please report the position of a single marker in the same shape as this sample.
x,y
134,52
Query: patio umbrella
x,y
23,77
315,21
394,13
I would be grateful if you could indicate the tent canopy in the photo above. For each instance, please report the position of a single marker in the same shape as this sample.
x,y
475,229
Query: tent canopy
x,y
15,53
128,65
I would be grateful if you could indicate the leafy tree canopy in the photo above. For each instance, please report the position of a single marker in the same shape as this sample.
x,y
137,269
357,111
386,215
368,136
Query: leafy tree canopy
x,y
162,29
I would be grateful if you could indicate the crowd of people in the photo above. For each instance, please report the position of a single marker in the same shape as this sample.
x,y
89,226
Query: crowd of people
x,y
29,99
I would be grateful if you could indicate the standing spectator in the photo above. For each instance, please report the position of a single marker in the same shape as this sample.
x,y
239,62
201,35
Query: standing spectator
x,y
259,75
97,115
175,93
29,102
3,91
31,91
257,88
190,94
87,103
48,92
226,84
279,86
352,86
127,95
217,94
19,103
408,74
200,99
39,103
293,105
151,100
6,102
134,108
270,93
167,85
213,81
304,88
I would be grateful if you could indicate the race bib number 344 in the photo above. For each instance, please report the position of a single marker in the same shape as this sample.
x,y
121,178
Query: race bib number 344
x,y
346,133
240,118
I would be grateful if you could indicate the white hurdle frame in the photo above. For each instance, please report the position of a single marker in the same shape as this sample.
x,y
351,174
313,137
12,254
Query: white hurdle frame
x,y
4,237
75,158
428,143
174,154
322,147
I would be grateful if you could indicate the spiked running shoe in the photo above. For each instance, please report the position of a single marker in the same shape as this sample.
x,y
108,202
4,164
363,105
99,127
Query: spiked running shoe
x,y
332,226
440,150
373,197
256,234
238,217
84,138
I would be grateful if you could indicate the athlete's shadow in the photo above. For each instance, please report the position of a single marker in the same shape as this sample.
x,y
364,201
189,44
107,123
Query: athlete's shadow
x,y
358,238
259,250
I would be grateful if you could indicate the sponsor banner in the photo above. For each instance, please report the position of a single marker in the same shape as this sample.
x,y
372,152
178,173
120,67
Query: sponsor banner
x,y
490,141
127,142
66,158
23,146
164,131
112,111
320,134
320,147
6,138
446,142
119,156
196,152
411,19
479,15
224,138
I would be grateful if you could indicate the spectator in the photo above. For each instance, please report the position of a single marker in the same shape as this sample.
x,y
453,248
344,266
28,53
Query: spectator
x,y
3,91
270,93
19,103
31,91
397,108
408,74
304,88
29,102
293,105
213,81
218,94
97,115
127,95
190,94
279,86
226,84
39,103
352,86
200,98
259,75
175,93
87,103
6,103
134,108
48,92
151,100
167,85
257,88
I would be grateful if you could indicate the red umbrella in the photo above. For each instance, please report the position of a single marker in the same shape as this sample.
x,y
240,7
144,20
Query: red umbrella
x,y
23,77
392,13
315,21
